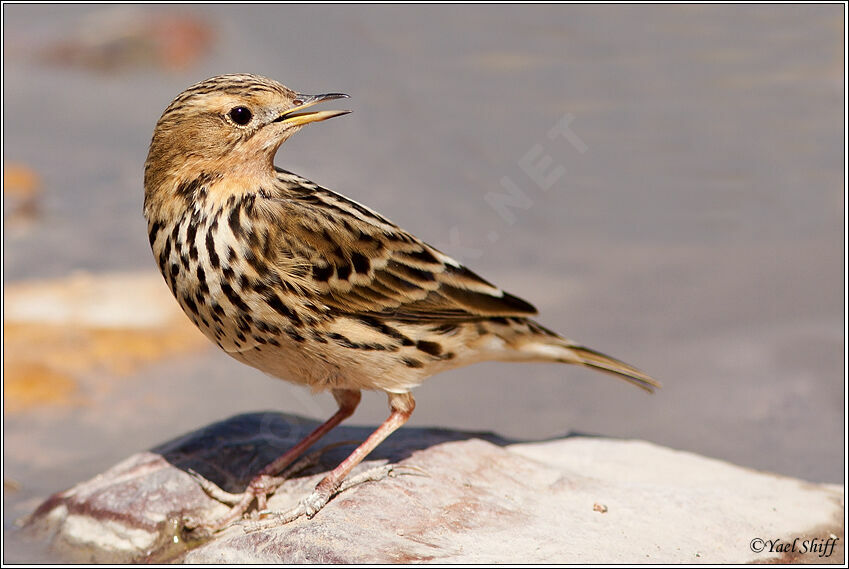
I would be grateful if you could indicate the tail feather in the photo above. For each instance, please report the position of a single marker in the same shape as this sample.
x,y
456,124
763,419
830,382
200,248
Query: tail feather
x,y
555,348
605,363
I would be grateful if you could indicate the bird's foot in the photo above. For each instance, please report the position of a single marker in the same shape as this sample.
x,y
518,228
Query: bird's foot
x,y
327,489
259,489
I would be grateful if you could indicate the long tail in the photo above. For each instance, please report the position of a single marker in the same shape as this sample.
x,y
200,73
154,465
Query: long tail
x,y
605,363
545,345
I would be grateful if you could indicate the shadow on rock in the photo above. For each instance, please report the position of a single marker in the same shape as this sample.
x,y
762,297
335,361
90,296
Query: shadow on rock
x,y
231,452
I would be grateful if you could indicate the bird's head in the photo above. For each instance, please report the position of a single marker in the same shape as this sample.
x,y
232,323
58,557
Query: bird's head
x,y
230,125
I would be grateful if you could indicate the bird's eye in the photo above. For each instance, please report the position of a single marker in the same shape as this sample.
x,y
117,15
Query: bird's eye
x,y
241,115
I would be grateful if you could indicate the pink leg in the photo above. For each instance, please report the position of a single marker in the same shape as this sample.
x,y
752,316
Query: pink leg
x,y
402,405
262,484
347,400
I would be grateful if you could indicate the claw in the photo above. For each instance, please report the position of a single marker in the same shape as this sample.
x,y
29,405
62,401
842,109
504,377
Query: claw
x,y
414,471
381,472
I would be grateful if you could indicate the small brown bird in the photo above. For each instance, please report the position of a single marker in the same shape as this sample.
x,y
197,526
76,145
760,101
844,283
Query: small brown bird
x,y
308,285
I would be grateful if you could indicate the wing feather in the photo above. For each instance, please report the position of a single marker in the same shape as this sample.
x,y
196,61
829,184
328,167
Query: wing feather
x,y
369,266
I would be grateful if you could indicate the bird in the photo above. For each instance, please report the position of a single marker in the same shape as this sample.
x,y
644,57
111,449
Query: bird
x,y
310,286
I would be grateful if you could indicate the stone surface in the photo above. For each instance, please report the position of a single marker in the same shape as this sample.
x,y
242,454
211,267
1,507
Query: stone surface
x,y
465,498
91,322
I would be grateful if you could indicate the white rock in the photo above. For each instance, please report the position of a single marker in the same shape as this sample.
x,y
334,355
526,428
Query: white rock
x,y
572,500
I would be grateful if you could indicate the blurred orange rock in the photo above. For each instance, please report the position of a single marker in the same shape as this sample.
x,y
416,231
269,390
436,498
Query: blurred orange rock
x,y
57,333
125,37
20,180
28,384
22,185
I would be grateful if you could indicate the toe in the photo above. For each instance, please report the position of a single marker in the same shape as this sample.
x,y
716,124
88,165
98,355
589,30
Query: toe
x,y
214,491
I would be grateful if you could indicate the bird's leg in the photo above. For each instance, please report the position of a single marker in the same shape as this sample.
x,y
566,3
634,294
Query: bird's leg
x,y
402,405
265,483
347,400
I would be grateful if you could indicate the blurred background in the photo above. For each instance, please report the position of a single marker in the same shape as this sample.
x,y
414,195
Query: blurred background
x,y
687,216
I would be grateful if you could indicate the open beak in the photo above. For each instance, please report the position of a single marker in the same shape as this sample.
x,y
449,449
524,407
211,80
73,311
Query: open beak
x,y
295,117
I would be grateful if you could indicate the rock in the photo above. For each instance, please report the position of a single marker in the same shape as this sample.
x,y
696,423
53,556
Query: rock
x,y
124,38
23,189
462,498
59,333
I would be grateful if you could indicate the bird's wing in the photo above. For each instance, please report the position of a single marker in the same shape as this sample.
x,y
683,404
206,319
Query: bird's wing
x,y
362,263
